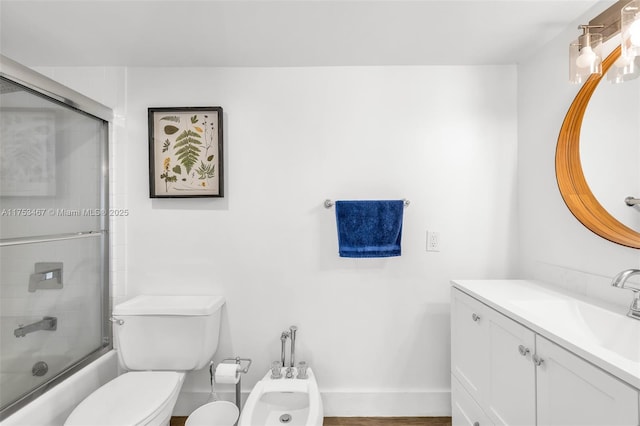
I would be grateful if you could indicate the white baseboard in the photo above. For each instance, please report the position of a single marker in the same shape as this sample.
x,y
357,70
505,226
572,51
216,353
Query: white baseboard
x,y
387,404
350,404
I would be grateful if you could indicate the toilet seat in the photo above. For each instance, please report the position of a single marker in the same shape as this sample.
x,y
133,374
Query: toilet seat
x,y
134,398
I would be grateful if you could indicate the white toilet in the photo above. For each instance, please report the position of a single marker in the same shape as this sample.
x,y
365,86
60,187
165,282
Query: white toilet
x,y
158,339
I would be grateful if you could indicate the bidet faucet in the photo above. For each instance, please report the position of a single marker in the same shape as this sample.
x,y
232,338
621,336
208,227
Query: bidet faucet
x,y
283,344
620,281
291,334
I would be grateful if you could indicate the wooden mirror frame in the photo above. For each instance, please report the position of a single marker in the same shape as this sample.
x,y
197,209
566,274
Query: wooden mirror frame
x,y
571,181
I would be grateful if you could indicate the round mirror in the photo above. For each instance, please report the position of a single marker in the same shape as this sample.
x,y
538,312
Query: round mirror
x,y
610,148
594,200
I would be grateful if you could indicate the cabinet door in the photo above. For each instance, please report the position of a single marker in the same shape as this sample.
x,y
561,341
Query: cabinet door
x,y
464,410
573,392
510,397
469,354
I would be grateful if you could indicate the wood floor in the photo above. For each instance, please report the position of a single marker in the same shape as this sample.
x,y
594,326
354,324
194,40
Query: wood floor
x,y
387,421
366,421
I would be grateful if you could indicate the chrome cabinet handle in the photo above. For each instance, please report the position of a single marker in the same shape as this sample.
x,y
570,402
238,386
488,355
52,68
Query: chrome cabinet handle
x,y
523,350
537,360
475,317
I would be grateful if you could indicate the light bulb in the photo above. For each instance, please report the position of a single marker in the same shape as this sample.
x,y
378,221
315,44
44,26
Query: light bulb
x,y
634,33
623,62
586,58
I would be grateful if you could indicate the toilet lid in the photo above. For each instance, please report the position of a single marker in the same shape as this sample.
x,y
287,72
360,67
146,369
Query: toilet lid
x,y
130,399
169,305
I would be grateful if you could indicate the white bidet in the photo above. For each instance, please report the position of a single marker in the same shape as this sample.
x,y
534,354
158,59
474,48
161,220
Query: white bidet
x,y
277,402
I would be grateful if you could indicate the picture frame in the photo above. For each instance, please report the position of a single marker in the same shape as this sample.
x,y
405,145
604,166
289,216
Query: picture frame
x,y
185,152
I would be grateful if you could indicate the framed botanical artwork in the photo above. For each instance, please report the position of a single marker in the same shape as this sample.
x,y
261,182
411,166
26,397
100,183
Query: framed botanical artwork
x,y
185,152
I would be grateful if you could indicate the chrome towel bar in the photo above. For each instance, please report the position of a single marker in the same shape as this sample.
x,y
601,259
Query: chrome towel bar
x,y
328,203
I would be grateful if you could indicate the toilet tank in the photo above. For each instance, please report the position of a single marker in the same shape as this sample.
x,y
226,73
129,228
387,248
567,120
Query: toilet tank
x,y
167,332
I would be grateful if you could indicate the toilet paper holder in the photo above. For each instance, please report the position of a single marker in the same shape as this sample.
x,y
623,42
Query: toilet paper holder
x,y
244,368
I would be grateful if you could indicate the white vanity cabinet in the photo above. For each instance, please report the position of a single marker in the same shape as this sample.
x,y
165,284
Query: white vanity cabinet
x,y
491,359
503,373
573,392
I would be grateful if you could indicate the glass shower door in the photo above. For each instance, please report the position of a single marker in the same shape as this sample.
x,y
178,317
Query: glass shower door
x,y
53,241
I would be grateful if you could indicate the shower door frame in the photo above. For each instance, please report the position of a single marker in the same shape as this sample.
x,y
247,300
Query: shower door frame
x,y
37,83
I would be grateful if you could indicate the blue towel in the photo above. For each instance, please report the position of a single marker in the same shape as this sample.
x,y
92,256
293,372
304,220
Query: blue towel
x,y
369,228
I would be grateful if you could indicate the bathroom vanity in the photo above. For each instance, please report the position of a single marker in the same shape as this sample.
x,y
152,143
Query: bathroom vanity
x,y
526,354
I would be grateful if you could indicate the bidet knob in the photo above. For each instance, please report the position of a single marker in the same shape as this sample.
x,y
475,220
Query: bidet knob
x,y
475,317
276,373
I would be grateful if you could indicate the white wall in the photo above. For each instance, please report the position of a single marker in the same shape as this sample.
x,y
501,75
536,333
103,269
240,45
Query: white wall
x,y
376,331
554,246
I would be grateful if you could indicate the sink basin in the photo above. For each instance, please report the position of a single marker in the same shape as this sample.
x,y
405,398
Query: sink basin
x,y
610,330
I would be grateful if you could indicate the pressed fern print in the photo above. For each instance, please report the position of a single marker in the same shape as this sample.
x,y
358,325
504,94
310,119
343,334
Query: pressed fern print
x,y
189,142
187,148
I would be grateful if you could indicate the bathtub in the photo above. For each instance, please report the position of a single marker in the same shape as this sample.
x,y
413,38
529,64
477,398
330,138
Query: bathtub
x,y
54,406
16,373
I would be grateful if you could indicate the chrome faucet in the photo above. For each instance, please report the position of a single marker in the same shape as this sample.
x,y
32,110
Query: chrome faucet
x,y
291,334
620,281
283,343
46,323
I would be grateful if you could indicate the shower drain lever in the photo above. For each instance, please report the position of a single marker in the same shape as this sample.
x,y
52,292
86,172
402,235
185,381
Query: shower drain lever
x,y
39,369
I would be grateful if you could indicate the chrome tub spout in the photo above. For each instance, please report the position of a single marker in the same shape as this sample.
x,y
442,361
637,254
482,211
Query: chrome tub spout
x,y
46,323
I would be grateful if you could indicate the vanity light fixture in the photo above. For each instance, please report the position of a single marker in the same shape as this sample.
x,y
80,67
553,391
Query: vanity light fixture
x,y
630,30
624,69
585,56
623,18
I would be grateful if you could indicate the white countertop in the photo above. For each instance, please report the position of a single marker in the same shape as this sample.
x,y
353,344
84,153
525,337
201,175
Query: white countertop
x,y
603,337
